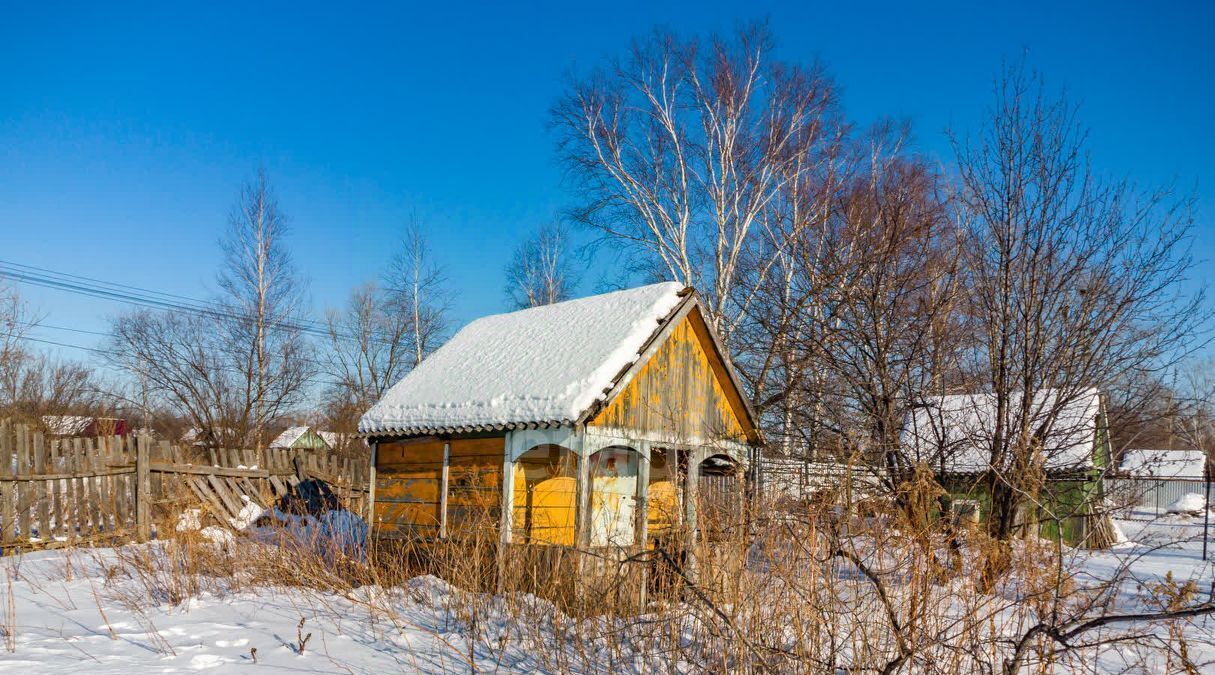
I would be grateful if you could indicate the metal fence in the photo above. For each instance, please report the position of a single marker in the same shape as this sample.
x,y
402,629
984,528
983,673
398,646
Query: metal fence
x,y
1157,493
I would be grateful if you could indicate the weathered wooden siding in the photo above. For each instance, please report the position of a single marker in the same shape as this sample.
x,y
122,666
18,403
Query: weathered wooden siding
x,y
474,486
682,393
409,477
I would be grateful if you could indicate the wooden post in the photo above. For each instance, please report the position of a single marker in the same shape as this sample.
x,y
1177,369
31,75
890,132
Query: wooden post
x,y
691,507
143,488
641,528
42,489
371,488
582,522
443,489
506,511
57,488
6,488
25,487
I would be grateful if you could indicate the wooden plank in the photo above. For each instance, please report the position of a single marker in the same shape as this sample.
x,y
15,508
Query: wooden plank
x,y
24,488
56,489
225,494
7,488
178,483
122,485
105,485
195,469
203,489
143,487
41,493
96,504
79,519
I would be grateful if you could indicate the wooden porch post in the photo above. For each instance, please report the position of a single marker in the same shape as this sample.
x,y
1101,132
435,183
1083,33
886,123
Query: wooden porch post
x,y
443,480
691,507
582,524
641,529
506,509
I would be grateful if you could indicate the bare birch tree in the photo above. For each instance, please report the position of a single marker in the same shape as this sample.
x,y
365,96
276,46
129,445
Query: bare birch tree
x,y
263,296
681,149
541,271
242,362
416,288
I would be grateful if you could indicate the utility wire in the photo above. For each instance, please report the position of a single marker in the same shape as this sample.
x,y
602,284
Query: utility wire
x,y
98,288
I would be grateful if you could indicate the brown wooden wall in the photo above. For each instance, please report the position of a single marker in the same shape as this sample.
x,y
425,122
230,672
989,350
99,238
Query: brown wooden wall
x,y
409,478
682,392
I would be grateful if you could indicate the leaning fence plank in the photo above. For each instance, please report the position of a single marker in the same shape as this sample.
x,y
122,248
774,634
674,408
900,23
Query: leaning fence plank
x,y
225,494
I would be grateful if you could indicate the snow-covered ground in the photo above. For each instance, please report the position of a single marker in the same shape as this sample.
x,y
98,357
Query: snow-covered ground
x,y
70,612
74,622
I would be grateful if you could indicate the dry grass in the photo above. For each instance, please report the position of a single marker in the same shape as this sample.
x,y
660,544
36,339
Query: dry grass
x,y
805,589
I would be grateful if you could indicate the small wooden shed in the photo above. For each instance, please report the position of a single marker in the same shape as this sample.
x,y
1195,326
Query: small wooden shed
x,y
609,421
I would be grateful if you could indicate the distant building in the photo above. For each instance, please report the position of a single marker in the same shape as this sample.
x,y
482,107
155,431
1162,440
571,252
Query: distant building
x,y
203,438
83,425
1164,464
299,438
953,436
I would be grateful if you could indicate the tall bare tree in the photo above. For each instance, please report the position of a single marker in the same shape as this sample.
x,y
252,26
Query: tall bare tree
x,y
682,151
371,346
541,270
1073,282
31,384
237,365
262,296
416,287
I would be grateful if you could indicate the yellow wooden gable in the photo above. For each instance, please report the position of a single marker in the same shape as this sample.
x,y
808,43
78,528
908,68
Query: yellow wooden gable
x,y
683,391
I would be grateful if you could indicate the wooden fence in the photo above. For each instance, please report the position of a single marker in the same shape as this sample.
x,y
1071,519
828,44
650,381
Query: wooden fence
x,y
68,491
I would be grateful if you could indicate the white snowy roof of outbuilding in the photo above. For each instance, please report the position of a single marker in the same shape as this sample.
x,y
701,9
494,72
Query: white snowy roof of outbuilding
x,y
66,425
1165,463
955,432
288,437
544,365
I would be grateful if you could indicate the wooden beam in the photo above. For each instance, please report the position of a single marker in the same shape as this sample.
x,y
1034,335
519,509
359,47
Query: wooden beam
x,y
443,480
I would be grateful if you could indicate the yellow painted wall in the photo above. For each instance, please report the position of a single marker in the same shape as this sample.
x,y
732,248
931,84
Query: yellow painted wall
x,y
409,478
546,497
682,392
407,488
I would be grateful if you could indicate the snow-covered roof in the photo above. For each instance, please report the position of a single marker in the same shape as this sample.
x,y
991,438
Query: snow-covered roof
x,y
543,365
288,437
332,438
66,425
956,431
1164,463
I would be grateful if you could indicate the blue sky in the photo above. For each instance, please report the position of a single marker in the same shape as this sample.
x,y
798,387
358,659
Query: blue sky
x,y
126,131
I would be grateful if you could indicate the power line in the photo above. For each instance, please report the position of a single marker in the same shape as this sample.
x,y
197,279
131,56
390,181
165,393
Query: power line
x,y
137,296
108,352
81,285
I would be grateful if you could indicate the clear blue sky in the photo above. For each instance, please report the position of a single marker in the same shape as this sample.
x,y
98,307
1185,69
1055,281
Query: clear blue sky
x,y
125,131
